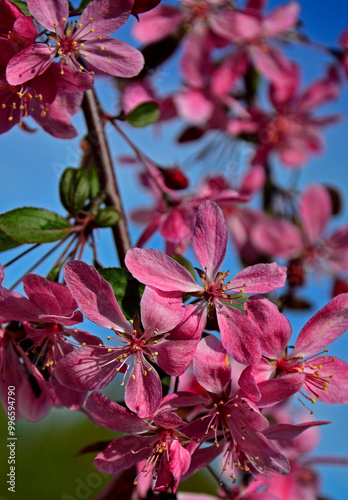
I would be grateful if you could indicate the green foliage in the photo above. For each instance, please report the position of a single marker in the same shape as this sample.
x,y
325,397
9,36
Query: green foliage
x,y
94,181
144,114
6,243
22,5
107,217
74,189
34,225
127,290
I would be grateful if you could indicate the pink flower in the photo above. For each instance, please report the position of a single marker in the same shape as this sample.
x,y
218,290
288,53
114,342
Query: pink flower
x,y
251,31
87,38
291,130
40,344
93,367
161,443
307,242
323,377
157,270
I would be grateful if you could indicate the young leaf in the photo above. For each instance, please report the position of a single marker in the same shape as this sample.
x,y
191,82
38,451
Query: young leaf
x,y
21,5
6,243
107,217
127,290
34,225
144,114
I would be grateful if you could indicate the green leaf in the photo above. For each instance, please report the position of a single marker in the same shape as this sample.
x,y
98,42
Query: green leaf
x,y
6,243
94,181
53,275
84,3
127,290
107,217
144,114
34,225
74,188
22,5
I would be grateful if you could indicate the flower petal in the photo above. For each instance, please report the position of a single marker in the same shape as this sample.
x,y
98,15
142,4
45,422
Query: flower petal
x,y
282,19
175,356
143,392
49,12
114,57
315,211
274,328
211,365
156,269
239,336
105,16
210,238
260,278
326,326
336,373
29,62
94,296
113,416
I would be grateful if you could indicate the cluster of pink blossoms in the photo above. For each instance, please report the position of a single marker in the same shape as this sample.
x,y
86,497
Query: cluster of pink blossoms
x,y
170,437
32,83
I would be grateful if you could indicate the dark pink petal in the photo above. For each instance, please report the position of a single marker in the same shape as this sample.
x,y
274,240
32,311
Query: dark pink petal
x,y
174,356
49,12
34,407
260,278
161,311
274,328
94,296
179,463
156,269
182,399
276,390
248,384
15,307
193,323
83,337
210,238
71,80
271,63
114,57
30,62
105,16
315,211
25,31
281,19
88,368
196,64
326,326
211,365
51,298
336,373
277,237
2,274
157,24
119,453
239,336
288,431
57,120
143,392
113,416
168,420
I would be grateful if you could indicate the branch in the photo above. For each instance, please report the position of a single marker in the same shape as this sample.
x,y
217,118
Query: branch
x,y
98,142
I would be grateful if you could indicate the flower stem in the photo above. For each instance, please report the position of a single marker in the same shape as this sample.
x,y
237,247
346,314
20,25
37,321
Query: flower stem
x,y
98,142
